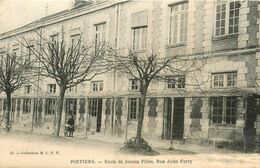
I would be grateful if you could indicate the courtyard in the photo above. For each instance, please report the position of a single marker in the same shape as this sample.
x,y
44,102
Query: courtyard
x,y
27,149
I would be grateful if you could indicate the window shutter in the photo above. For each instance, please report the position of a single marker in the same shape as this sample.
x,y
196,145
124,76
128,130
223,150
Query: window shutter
x,y
90,107
119,104
129,106
82,106
140,19
152,107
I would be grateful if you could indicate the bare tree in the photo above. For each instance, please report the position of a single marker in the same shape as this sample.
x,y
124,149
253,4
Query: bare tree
x,y
15,71
148,68
68,64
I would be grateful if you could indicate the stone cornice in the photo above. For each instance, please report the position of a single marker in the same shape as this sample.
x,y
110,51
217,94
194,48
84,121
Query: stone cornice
x,y
60,16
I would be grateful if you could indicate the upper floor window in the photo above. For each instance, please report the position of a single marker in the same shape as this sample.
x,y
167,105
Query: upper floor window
x,y
176,82
28,89
178,23
139,38
52,88
100,33
54,38
139,30
97,86
228,79
72,89
15,50
227,18
1,56
30,51
75,40
134,84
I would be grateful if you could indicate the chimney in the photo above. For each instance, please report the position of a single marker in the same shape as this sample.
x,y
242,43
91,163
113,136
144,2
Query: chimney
x,y
80,3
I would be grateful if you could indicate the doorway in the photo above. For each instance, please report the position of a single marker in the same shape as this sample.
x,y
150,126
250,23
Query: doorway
x,y
96,111
173,122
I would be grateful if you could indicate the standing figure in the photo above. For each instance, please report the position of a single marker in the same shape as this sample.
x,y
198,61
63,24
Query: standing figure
x,y
71,123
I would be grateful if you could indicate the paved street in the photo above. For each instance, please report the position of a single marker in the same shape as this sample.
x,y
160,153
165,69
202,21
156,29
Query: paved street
x,y
34,150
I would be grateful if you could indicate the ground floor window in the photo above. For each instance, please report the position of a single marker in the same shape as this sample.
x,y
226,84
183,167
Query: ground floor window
x,y
223,110
94,107
134,106
26,106
13,108
50,106
71,105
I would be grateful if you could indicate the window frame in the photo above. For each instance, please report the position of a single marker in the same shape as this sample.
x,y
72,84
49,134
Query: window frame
x,y
16,50
2,53
99,86
224,111
52,90
171,81
134,87
27,104
74,37
73,89
54,38
71,106
133,115
50,102
102,32
94,107
227,18
30,52
224,79
28,89
170,37
142,40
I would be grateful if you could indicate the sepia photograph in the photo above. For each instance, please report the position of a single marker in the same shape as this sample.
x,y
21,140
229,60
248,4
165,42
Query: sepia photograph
x,y
129,83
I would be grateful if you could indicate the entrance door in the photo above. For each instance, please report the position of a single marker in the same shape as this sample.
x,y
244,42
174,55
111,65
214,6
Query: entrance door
x,y
178,118
99,115
173,118
250,130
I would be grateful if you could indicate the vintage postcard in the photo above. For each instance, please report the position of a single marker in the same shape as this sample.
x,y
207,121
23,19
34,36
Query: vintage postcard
x,y
129,83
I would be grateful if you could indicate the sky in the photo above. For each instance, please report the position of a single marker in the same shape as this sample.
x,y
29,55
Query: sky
x,y
16,13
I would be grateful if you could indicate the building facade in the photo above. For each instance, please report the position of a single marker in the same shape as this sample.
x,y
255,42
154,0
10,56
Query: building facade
x,y
222,109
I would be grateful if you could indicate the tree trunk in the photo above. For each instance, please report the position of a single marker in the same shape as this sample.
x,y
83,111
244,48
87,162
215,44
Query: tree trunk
x,y
59,111
141,117
9,101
